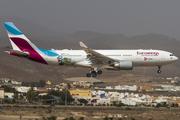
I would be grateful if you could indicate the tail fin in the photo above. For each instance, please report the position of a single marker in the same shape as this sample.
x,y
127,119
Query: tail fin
x,y
21,44
18,40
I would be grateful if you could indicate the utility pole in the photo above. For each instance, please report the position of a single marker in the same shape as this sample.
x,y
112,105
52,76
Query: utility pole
x,y
66,97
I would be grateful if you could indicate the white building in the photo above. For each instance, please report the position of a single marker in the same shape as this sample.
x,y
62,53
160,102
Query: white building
x,y
2,93
103,101
15,82
128,101
23,89
9,95
124,87
109,87
133,88
118,87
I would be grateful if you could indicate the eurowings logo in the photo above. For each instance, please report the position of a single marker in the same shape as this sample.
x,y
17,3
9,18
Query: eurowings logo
x,y
148,53
145,58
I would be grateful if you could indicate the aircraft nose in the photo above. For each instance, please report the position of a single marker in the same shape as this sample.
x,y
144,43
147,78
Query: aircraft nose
x,y
175,58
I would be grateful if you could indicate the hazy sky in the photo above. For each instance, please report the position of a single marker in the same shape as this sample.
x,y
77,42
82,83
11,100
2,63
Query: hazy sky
x,y
129,17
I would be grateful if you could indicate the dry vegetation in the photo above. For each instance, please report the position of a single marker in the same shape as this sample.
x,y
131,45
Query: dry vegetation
x,y
88,113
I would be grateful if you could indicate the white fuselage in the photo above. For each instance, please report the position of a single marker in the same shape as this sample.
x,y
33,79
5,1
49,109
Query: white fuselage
x,y
138,57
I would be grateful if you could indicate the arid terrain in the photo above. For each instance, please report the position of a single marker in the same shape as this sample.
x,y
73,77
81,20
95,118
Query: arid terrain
x,y
89,113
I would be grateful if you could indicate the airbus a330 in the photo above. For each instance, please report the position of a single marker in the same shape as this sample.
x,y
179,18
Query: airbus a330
x,y
87,58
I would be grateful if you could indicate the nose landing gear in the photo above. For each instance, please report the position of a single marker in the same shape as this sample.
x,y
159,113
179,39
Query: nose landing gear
x,y
159,70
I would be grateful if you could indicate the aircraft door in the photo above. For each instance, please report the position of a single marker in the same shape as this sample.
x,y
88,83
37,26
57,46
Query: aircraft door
x,y
138,57
163,57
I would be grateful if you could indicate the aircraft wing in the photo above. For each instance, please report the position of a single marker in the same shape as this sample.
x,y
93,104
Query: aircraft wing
x,y
95,57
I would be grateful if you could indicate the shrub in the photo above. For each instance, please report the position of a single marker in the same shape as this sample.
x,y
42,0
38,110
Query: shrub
x,y
81,118
16,106
111,118
71,118
50,118
106,118
49,111
128,108
8,106
65,119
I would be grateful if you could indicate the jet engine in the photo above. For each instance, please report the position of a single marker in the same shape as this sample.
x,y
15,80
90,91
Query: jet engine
x,y
123,65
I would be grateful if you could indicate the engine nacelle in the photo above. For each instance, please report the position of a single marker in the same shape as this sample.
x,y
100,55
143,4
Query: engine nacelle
x,y
124,65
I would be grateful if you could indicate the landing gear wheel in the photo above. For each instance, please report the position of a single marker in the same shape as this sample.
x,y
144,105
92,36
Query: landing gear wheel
x,y
88,75
93,72
159,71
94,75
99,72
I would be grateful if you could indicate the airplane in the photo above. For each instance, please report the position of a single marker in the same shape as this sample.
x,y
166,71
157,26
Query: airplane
x,y
87,58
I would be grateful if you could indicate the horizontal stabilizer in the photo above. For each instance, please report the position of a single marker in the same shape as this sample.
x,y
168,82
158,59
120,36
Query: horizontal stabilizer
x,y
24,54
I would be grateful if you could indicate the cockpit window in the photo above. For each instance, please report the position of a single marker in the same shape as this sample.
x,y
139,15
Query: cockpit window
x,y
171,55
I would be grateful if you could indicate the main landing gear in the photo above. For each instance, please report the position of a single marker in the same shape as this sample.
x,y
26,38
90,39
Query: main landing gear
x,y
159,70
93,73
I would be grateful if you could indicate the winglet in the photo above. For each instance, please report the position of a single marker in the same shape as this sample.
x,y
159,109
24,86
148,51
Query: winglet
x,y
82,45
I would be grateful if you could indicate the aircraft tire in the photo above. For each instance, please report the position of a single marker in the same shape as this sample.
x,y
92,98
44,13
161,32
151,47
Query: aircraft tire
x,y
99,72
88,75
94,75
93,72
159,71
